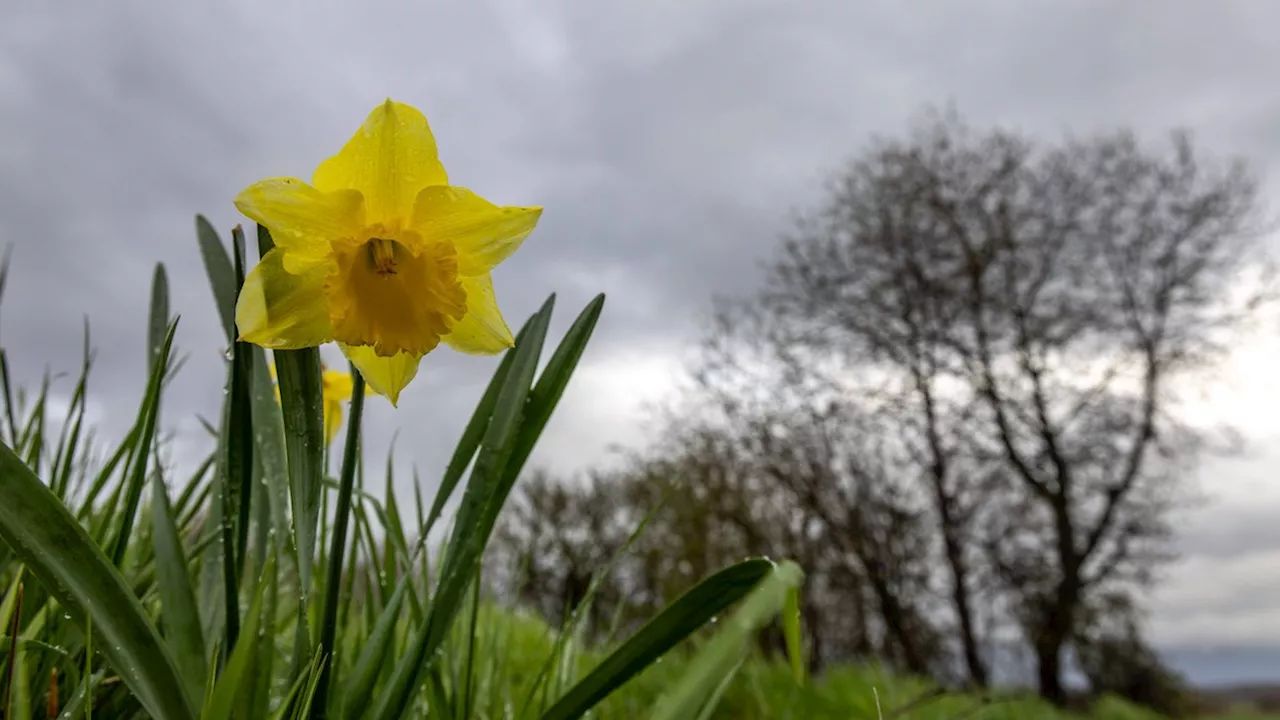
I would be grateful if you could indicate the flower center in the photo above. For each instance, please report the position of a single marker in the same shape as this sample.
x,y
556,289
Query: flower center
x,y
382,253
394,292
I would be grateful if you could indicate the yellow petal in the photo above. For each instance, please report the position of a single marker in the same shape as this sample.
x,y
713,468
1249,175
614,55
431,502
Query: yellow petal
x,y
389,159
337,385
303,220
332,420
483,233
282,311
385,375
482,331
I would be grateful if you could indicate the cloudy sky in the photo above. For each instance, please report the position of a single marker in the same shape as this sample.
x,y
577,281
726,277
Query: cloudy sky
x,y
667,140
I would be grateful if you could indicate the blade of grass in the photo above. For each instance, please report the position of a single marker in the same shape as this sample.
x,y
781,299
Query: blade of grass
x,y
720,657
333,578
712,699
473,523
237,473
299,695
470,440
791,633
358,689
677,621
69,438
180,618
120,455
137,470
240,444
222,276
265,664
230,684
551,385
10,417
469,669
72,568
159,320
298,373
268,427
14,622
581,612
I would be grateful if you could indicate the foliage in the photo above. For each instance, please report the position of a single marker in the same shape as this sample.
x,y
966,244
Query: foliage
x,y
260,586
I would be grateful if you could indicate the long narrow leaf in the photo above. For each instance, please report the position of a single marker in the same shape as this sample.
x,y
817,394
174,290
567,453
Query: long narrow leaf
x,y
159,320
222,276
138,467
474,522
551,385
180,616
358,689
692,610
59,552
722,656
231,684
333,577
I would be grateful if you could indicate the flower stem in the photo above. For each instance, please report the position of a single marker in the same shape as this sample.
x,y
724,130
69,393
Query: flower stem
x,y
333,576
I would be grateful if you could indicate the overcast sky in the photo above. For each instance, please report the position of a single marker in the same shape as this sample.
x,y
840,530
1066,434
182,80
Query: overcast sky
x,y
667,140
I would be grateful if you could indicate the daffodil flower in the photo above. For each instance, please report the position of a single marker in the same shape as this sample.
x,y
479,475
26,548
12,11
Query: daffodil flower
x,y
336,387
335,390
380,254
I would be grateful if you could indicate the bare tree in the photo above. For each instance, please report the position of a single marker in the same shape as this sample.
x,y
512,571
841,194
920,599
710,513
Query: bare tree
x,y
1024,313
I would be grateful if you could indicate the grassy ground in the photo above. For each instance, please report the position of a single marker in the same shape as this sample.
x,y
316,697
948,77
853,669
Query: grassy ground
x,y
766,690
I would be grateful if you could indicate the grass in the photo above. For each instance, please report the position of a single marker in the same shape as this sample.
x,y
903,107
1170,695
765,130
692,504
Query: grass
x,y
262,585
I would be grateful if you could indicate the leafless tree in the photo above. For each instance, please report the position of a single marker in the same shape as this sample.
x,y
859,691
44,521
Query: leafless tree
x,y
1020,315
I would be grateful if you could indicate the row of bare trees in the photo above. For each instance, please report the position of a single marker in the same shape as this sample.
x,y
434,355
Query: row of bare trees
x,y
957,400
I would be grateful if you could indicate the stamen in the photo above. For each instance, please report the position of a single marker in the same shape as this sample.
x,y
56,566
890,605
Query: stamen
x,y
382,253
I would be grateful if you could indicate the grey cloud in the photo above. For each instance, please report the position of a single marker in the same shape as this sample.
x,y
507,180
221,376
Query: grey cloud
x,y
668,142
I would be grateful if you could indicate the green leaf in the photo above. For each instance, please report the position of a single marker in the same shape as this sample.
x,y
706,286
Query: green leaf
x,y
229,686
159,323
69,438
471,437
222,276
301,400
137,470
13,624
237,485
179,615
268,428
59,552
341,518
722,656
10,417
298,374
791,631
481,503
373,655
692,610
551,384
265,664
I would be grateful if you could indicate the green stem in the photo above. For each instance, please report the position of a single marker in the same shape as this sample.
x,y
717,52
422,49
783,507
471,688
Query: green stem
x,y
333,577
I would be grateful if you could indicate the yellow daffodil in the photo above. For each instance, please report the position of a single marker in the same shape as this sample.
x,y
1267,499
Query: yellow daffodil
x,y
380,254
335,390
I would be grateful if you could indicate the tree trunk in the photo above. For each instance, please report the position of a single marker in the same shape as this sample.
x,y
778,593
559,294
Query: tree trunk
x,y
960,595
968,635
1049,667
